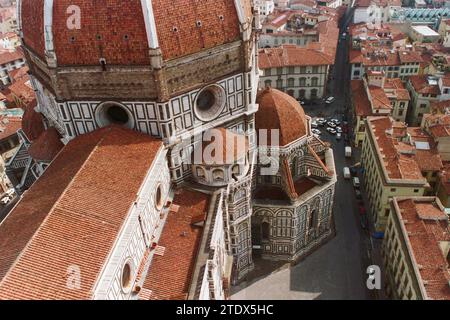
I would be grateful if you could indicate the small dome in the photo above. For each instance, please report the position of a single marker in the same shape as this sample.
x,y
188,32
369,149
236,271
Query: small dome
x,y
231,147
32,122
279,111
47,146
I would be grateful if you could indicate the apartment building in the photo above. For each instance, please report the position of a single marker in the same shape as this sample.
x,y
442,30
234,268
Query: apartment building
x,y
300,72
10,61
416,249
424,90
376,95
391,166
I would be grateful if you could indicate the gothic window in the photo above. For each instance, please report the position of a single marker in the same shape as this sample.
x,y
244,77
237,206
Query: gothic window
x,y
243,237
312,220
159,198
265,230
284,224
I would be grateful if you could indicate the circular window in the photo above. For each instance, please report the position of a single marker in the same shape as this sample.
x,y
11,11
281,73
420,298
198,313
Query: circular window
x,y
114,113
126,277
159,197
209,103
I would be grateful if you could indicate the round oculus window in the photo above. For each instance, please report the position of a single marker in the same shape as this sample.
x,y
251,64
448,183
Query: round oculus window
x,y
114,113
126,277
209,103
159,198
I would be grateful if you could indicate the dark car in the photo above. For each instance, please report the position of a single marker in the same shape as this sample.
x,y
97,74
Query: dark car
x,y
358,194
354,171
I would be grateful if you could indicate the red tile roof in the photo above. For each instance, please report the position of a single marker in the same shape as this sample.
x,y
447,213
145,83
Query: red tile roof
x,y
73,214
397,165
291,55
32,122
8,57
421,85
115,30
427,226
281,113
9,126
46,146
169,276
360,99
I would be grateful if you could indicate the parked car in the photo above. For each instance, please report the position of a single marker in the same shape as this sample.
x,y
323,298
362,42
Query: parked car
x,y
314,124
348,152
316,131
331,130
330,100
338,129
338,136
335,121
358,194
356,183
353,171
347,173
331,124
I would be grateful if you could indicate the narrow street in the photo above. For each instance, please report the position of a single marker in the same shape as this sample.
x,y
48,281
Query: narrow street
x,y
338,269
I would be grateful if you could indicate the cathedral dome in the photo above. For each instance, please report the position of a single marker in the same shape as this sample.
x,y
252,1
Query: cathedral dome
x,y
121,32
279,111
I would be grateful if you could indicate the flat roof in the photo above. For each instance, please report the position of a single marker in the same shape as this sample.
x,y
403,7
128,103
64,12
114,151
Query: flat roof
x,y
426,31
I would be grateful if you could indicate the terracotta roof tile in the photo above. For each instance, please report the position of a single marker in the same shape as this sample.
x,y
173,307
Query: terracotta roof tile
x,y
291,55
169,276
46,146
425,234
73,214
280,112
32,122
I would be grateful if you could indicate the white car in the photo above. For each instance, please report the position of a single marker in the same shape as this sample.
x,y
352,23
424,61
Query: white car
x,y
315,131
331,124
314,124
338,129
5,200
331,130
330,100
335,121
338,136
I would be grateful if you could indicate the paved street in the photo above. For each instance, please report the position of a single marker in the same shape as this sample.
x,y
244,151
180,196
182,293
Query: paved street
x,y
338,269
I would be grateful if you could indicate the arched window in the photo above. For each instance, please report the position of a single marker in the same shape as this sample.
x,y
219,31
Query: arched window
x,y
313,93
265,230
290,82
218,175
279,83
301,93
302,82
312,220
200,172
236,170
314,81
